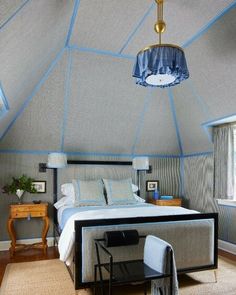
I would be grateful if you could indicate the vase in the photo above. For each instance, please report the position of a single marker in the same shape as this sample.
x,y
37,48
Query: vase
x,y
19,193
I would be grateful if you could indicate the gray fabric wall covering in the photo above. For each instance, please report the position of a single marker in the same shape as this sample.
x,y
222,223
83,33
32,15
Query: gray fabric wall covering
x,y
166,170
198,185
16,165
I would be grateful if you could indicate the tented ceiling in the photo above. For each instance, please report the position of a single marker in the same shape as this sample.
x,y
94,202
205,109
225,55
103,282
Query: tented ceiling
x,y
66,71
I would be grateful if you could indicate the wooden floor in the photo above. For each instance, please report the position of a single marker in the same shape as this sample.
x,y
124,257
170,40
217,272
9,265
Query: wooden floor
x,y
52,253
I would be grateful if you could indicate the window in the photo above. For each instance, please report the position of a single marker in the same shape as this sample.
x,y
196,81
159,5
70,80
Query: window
x,y
4,107
235,163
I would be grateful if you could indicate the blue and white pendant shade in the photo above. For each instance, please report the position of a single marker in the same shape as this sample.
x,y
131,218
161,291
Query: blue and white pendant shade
x,y
160,65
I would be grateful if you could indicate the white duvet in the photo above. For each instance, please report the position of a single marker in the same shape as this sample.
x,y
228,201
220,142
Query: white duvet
x,y
67,237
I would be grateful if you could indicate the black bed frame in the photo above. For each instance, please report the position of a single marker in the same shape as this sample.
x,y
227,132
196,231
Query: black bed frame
x,y
79,224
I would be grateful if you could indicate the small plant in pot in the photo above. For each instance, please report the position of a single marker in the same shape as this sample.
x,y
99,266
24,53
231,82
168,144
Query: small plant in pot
x,y
20,185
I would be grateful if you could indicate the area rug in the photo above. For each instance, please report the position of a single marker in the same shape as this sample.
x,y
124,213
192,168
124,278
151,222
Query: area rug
x,y
51,277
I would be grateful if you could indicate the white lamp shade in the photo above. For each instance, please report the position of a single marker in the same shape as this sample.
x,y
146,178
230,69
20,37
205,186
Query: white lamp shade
x,y
141,163
57,160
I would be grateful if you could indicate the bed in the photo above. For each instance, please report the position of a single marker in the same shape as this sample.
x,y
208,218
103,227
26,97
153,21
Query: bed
x,y
193,235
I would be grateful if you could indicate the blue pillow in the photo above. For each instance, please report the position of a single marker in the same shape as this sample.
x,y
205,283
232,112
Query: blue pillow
x,y
89,192
119,192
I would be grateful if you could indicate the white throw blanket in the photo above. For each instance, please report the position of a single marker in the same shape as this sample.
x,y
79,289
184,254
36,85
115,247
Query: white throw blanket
x,y
67,237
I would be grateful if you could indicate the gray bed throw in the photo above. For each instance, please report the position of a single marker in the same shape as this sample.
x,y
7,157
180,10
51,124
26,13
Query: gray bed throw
x,y
155,256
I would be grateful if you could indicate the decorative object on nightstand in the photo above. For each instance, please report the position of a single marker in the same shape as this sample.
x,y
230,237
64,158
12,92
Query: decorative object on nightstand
x,y
19,211
40,186
166,202
152,185
20,185
156,194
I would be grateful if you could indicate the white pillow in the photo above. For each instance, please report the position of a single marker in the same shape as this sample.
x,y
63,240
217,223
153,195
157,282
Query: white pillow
x,y
134,188
67,189
138,199
64,201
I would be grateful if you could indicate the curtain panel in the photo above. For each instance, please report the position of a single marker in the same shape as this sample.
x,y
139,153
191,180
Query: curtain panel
x,y
223,138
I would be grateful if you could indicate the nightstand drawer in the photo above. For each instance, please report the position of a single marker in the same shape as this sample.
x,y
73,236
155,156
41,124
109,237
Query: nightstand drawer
x,y
171,202
24,214
24,210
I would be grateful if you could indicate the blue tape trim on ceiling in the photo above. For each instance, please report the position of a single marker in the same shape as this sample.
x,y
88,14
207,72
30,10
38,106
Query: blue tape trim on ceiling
x,y
137,27
146,105
205,28
197,154
72,22
208,133
102,52
172,107
203,106
4,98
14,14
39,152
66,98
199,99
36,89
36,70
224,119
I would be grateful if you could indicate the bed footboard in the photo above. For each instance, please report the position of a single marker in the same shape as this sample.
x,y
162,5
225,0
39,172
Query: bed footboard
x,y
194,238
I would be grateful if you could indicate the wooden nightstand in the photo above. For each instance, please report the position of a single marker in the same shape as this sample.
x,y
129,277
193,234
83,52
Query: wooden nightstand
x,y
28,211
172,202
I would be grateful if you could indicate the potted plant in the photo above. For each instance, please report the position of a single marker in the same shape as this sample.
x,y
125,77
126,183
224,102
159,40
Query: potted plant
x,y
20,185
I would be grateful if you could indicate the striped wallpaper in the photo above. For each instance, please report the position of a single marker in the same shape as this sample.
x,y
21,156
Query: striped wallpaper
x,y
165,170
198,180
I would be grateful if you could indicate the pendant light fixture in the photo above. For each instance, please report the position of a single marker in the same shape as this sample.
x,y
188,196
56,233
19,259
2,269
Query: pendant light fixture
x,y
160,65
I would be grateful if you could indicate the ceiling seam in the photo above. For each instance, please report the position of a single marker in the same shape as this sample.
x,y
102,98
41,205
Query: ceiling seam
x,y
203,106
137,27
66,98
208,123
101,52
205,28
197,154
172,107
72,22
45,152
141,119
36,89
199,99
14,14
3,103
35,71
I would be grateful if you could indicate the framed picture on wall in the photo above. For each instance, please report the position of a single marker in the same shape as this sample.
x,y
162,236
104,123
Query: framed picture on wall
x,y
40,186
152,185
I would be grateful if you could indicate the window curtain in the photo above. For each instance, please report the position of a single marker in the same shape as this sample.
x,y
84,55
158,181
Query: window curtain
x,y
223,138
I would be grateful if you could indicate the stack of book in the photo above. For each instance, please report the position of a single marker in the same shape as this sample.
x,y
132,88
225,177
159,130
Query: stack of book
x,y
166,197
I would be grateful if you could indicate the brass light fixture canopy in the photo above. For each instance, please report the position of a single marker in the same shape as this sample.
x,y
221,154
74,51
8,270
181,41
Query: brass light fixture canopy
x,y
160,65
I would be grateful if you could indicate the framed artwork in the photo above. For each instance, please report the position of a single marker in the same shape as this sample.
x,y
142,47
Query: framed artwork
x,y
40,186
152,185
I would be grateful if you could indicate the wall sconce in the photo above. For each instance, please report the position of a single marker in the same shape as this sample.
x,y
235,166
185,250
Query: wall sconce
x,y
55,161
141,164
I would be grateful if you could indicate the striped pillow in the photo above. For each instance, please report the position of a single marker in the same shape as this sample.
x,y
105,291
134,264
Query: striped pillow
x,y
119,191
89,192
